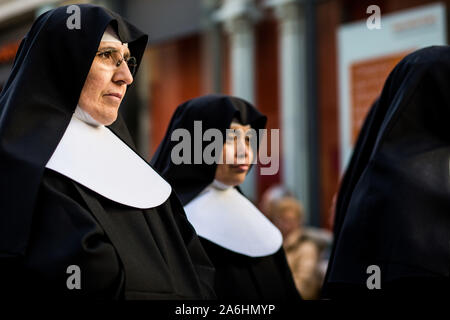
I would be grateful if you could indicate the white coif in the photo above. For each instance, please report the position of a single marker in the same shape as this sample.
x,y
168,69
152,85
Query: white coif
x,y
228,219
97,159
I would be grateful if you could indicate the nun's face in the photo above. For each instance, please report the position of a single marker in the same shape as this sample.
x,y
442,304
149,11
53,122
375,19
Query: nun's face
x,y
106,84
237,156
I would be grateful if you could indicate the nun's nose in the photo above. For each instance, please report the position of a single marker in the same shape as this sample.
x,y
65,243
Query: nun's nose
x,y
123,74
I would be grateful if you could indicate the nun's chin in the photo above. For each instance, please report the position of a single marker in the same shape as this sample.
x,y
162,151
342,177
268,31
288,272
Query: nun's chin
x,y
110,119
108,115
110,122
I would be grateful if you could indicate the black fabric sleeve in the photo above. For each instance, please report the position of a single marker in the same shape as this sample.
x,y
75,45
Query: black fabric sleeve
x,y
64,234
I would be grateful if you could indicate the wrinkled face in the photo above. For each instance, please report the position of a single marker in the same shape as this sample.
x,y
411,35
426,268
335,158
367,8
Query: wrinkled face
x,y
237,156
106,84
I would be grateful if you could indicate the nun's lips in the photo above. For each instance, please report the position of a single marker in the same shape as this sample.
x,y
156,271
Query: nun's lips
x,y
116,95
240,167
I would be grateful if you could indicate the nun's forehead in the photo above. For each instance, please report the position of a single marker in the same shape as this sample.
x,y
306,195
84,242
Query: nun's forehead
x,y
111,35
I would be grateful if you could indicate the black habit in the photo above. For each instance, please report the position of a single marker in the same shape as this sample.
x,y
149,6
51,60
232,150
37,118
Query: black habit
x,y
393,205
48,221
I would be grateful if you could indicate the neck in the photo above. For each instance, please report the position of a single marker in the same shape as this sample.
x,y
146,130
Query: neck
x,y
220,185
86,117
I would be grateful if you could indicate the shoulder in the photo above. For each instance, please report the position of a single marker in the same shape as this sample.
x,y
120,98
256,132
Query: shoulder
x,y
54,182
59,190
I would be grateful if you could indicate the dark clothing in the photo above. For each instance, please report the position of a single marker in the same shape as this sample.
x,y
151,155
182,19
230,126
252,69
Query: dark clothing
x,y
122,252
241,277
393,204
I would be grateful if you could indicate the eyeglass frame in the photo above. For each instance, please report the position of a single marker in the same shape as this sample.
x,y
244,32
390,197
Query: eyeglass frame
x,y
119,62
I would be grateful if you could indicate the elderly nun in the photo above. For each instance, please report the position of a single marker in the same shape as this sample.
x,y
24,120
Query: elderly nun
x,y
82,215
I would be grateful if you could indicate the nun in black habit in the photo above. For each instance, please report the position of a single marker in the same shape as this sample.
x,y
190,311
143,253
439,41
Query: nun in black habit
x,y
393,205
244,246
81,213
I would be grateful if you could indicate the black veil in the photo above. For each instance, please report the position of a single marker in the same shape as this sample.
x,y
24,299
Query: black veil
x,y
393,203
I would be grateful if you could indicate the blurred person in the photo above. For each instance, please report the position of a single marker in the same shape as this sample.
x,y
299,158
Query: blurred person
x,y
302,252
270,196
82,215
244,246
392,228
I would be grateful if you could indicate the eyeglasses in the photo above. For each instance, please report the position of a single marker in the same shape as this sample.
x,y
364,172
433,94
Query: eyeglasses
x,y
114,58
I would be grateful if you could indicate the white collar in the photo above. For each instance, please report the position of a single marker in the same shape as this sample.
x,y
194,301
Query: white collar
x,y
97,159
220,185
228,219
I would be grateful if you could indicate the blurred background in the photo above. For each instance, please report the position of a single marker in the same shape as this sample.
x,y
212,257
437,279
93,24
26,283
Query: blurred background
x,y
314,67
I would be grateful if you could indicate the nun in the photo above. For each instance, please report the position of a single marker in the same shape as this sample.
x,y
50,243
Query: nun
x,y
82,215
244,246
392,225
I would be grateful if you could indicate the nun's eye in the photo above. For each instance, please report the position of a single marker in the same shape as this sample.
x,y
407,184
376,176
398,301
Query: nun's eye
x,y
107,54
111,57
231,138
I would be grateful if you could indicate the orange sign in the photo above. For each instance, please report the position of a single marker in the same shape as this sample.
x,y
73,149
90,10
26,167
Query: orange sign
x,y
366,82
